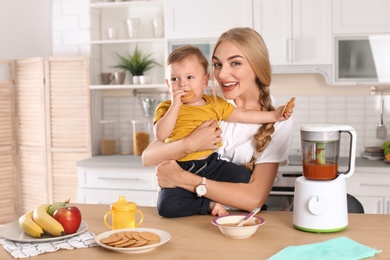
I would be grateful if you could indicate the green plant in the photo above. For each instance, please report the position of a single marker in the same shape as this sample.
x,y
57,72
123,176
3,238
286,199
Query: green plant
x,y
135,63
386,147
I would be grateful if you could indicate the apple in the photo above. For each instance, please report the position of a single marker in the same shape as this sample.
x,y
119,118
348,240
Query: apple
x,y
69,217
53,207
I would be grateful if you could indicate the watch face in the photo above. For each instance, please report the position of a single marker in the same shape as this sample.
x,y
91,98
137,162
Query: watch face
x,y
201,190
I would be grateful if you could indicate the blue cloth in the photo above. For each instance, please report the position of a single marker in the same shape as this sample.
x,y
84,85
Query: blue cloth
x,y
341,248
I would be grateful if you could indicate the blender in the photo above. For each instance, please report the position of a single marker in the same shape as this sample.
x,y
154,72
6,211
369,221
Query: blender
x,y
320,196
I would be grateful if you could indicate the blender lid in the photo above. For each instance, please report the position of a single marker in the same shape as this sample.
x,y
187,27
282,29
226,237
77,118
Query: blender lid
x,y
321,132
320,128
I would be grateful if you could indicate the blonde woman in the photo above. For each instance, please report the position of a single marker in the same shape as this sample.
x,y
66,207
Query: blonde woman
x,y
242,69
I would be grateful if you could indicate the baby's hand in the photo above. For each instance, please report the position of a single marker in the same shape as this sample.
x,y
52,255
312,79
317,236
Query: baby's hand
x,y
176,97
285,112
279,114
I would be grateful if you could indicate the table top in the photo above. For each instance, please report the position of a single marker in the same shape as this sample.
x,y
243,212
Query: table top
x,y
196,238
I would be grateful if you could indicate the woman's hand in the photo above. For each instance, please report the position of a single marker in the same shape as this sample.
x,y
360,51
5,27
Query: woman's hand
x,y
206,137
167,174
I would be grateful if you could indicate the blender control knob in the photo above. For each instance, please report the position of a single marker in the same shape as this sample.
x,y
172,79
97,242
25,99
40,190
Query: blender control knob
x,y
318,205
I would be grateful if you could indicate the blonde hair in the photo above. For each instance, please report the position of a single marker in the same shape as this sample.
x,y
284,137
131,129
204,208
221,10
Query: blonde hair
x,y
255,51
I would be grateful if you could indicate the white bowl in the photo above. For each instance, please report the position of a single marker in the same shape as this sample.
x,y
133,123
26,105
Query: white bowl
x,y
234,231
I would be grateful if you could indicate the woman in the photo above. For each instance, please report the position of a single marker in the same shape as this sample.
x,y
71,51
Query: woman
x,y
242,69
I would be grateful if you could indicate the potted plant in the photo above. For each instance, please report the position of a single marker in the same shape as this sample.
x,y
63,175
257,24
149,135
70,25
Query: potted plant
x,y
136,63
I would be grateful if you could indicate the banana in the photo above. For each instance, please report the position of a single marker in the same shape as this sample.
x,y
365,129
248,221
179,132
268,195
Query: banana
x,y
47,222
28,225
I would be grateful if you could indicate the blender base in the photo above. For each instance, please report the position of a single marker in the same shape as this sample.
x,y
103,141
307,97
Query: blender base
x,y
320,206
320,230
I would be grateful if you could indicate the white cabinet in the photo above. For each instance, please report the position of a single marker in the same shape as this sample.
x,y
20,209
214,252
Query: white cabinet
x,y
109,34
297,32
202,19
372,190
371,204
102,179
387,205
361,16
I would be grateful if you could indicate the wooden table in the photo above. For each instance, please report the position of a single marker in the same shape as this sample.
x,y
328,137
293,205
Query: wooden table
x,y
196,238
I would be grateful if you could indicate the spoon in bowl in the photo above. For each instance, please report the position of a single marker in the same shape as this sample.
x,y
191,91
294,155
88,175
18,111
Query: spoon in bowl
x,y
248,217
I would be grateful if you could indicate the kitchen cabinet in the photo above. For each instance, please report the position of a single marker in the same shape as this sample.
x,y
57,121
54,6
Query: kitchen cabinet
x,y
297,32
372,204
372,190
102,179
361,16
110,34
203,19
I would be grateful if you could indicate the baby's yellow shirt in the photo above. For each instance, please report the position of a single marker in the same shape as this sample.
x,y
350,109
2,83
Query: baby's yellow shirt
x,y
190,117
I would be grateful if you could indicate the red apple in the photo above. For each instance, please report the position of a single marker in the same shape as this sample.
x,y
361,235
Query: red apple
x,y
69,217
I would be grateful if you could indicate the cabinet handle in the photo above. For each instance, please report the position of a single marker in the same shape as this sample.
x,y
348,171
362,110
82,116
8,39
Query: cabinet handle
x,y
282,193
387,208
374,185
289,49
119,179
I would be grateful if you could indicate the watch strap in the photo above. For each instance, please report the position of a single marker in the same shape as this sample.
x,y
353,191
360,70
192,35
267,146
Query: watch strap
x,y
203,181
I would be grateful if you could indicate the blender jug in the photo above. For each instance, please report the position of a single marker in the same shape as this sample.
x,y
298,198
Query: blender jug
x,y
320,151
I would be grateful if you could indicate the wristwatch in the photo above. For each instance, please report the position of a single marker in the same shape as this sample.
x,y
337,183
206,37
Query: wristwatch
x,y
201,189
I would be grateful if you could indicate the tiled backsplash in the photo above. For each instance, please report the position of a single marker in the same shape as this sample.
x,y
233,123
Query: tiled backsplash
x,y
360,112
117,114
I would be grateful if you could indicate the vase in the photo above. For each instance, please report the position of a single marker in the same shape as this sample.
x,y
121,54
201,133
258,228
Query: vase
x,y
136,80
145,79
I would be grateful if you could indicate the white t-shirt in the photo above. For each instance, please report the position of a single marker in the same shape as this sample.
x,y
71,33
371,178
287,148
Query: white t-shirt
x,y
238,143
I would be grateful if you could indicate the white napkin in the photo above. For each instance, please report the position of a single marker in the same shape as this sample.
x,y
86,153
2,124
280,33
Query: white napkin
x,y
27,249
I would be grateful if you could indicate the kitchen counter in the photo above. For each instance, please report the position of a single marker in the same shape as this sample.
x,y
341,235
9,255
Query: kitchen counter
x,y
112,161
120,161
196,238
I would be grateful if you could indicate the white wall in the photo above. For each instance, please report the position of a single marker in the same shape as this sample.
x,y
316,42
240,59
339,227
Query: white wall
x,y
61,27
25,28
71,27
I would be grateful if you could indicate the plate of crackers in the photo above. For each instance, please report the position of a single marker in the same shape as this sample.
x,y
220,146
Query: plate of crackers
x,y
133,240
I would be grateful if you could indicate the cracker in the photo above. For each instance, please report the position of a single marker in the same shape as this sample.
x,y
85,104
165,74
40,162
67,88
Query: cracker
x,y
139,243
149,236
126,244
136,236
188,97
288,105
129,234
121,234
121,241
110,239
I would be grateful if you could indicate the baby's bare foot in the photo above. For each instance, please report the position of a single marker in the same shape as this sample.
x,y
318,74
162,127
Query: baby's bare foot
x,y
218,209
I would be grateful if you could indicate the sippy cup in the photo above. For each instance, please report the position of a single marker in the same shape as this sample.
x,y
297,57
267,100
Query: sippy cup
x,y
123,214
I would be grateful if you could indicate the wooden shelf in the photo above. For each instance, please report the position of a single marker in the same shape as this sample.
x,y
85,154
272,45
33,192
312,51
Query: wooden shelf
x,y
138,3
124,41
111,87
